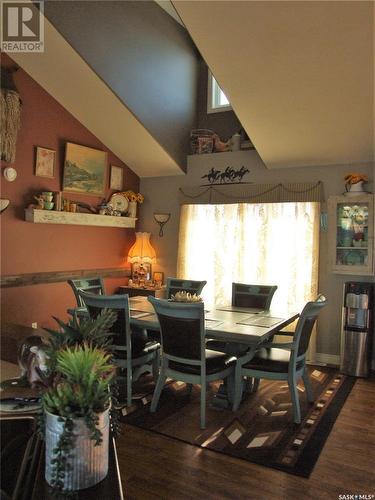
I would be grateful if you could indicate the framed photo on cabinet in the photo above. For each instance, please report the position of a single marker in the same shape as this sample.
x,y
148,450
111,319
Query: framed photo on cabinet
x,y
45,162
158,277
116,178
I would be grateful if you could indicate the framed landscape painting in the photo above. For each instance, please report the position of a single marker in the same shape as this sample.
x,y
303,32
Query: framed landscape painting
x,y
84,170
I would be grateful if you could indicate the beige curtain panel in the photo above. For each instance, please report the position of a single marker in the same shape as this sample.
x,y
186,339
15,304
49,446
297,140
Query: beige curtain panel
x,y
265,243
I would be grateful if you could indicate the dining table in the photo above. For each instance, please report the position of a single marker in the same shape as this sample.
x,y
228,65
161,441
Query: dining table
x,y
242,327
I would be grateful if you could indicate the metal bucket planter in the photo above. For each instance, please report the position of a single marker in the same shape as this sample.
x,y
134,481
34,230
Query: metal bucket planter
x,y
89,463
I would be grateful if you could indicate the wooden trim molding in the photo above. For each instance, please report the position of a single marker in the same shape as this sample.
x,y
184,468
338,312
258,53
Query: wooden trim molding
x,y
58,276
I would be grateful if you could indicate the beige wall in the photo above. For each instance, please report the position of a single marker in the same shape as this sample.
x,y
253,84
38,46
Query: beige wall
x,y
161,194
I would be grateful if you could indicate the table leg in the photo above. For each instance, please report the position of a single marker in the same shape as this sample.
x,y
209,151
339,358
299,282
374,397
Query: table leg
x,y
225,394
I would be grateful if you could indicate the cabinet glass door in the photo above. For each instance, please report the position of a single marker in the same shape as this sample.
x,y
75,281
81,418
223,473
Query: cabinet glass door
x,y
352,238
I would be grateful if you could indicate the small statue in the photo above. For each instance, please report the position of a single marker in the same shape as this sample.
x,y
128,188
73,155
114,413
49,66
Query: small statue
x,y
32,360
40,201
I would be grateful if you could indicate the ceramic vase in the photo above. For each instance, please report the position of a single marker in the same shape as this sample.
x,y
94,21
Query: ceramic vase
x,y
89,463
132,209
357,188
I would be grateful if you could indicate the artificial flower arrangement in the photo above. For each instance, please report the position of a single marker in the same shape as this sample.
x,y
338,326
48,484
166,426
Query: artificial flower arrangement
x,y
185,297
354,178
132,196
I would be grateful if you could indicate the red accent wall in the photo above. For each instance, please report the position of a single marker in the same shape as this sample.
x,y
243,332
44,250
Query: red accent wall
x,y
27,247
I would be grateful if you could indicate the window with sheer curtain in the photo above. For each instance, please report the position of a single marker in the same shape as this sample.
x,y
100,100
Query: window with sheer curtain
x,y
265,243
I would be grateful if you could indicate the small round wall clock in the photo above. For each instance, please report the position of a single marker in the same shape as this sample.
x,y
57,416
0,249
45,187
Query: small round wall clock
x,y
10,174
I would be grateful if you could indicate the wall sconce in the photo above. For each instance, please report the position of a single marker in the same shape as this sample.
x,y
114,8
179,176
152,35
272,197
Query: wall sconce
x,y
3,204
161,219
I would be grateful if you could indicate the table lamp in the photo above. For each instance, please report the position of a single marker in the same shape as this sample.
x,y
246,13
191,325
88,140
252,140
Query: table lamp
x,y
142,253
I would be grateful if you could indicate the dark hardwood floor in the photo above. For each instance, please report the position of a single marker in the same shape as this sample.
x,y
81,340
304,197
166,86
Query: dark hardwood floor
x,y
153,466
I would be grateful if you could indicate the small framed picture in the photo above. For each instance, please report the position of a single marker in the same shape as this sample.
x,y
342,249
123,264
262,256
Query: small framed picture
x,y
45,162
158,277
116,180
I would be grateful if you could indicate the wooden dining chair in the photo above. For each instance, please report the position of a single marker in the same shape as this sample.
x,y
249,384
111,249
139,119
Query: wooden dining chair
x,y
175,285
93,285
184,355
282,361
249,296
256,296
133,351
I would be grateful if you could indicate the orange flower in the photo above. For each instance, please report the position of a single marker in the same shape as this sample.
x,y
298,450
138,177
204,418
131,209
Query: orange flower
x,y
132,196
354,178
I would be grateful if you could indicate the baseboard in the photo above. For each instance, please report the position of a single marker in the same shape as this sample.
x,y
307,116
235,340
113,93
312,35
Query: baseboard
x,y
326,359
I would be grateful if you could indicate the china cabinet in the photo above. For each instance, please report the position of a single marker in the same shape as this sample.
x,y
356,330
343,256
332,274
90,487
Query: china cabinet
x,y
351,233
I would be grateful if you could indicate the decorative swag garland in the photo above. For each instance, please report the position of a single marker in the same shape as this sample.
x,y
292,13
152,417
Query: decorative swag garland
x,y
252,193
10,116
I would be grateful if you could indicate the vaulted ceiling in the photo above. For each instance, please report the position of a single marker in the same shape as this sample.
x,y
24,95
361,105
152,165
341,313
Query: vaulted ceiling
x,y
299,75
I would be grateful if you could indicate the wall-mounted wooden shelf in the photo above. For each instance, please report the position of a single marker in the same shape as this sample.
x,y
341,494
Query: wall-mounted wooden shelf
x,y
79,219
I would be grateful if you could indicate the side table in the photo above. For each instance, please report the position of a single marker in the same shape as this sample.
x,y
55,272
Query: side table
x,y
133,291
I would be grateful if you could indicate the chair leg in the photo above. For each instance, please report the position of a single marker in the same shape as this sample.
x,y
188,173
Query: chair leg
x,y
295,399
230,384
156,366
203,405
309,392
238,388
158,388
256,382
129,382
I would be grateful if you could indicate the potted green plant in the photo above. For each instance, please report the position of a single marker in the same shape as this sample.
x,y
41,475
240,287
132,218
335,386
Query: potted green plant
x,y
76,409
76,399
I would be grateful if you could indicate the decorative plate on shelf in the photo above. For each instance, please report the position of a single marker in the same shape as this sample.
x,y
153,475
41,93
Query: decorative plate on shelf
x,y
119,202
353,258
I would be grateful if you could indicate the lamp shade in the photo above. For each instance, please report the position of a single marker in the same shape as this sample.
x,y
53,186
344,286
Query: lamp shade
x,y
142,250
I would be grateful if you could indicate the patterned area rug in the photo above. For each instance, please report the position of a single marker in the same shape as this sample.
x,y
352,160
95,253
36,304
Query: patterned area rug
x,y
261,431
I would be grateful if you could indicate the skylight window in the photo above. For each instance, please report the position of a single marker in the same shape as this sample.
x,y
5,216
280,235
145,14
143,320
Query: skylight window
x,y
217,101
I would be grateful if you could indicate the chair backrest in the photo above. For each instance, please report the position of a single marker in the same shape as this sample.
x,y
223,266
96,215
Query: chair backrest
x,y
178,285
182,328
92,285
119,303
305,324
257,296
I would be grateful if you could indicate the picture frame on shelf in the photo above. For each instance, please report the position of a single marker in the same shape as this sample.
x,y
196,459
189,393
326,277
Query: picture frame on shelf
x,y
45,162
84,170
116,180
141,271
158,277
